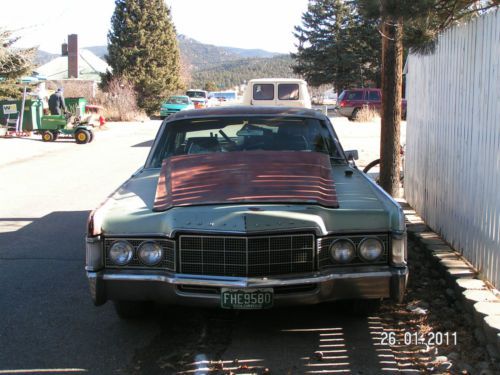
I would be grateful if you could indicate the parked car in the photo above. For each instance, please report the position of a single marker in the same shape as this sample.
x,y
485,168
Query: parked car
x,y
175,104
287,92
246,208
198,97
351,101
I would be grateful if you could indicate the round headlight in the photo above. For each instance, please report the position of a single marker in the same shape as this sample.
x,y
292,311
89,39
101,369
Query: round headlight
x,y
121,252
342,251
150,253
370,249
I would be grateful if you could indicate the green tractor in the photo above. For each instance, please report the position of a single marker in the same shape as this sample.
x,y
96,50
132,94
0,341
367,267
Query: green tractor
x,y
54,126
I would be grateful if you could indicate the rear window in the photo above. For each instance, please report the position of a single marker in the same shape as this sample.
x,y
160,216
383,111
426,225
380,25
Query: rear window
x,y
288,91
263,91
197,94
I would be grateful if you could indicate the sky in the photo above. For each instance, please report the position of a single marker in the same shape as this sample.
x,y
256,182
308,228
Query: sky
x,y
263,24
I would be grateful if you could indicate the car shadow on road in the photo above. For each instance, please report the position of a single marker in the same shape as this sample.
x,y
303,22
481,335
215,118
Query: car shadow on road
x,y
48,318
325,338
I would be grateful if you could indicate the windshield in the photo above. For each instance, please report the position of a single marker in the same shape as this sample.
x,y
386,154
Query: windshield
x,y
178,100
224,95
196,94
203,136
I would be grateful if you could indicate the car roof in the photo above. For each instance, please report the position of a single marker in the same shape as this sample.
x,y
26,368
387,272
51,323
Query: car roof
x,y
257,80
247,110
363,89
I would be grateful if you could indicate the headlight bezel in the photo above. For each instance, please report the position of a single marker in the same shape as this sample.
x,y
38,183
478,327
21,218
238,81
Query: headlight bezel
x,y
168,258
325,261
129,257
337,241
140,257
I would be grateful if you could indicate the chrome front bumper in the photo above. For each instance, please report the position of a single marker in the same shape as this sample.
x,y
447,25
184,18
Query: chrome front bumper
x,y
195,290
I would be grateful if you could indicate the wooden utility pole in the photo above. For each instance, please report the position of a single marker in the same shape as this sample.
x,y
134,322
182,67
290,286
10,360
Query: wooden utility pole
x,y
392,80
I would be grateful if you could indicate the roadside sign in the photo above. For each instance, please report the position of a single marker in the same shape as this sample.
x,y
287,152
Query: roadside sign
x,y
9,109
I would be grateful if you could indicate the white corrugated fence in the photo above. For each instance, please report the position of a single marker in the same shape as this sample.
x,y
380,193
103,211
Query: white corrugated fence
x,y
452,171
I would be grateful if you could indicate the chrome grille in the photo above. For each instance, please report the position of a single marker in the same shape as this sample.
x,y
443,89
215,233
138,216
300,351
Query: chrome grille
x,y
168,261
246,256
325,261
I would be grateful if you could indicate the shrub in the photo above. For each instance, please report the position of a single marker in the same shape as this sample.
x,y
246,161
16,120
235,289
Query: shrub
x,y
366,114
119,102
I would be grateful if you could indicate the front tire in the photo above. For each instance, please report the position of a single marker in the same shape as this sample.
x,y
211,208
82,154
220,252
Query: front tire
x,y
82,136
130,309
47,136
354,115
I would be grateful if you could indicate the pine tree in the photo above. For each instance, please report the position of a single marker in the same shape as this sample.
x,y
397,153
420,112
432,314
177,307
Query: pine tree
x,y
336,46
142,49
14,62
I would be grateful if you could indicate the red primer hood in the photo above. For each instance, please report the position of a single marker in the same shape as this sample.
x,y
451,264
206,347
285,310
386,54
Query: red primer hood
x,y
246,177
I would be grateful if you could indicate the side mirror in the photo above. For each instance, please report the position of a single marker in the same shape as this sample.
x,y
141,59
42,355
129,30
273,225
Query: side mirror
x,y
352,155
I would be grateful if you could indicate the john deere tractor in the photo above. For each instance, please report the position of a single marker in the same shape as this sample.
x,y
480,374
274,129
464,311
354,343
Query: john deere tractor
x,y
54,126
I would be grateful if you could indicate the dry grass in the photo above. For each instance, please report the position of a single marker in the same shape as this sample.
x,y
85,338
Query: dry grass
x,y
366,114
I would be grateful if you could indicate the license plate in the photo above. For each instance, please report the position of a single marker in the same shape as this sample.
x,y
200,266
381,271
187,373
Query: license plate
x,y
246,299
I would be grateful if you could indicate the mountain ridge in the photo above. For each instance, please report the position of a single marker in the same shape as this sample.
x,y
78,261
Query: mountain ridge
x,y
225,66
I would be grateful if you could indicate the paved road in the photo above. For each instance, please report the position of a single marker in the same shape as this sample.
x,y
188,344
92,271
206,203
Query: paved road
x,y
49,325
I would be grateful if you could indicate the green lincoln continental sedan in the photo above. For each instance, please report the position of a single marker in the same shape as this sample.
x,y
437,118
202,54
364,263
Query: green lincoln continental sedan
x,y
246,208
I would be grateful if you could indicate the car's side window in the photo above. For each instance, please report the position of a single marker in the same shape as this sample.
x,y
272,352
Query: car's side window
x,y
374,95
355,95
263,91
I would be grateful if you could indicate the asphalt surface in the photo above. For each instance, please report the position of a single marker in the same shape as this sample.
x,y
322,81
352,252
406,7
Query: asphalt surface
x,y
48,323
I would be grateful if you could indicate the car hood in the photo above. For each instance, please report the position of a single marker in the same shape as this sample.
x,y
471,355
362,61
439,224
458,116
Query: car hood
x,y
174,106
363,208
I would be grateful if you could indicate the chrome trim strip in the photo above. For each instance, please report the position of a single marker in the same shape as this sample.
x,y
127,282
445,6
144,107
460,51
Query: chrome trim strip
x,y
284,231
230,282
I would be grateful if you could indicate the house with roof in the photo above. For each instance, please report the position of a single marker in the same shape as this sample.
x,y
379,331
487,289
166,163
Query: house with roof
x,y
78,70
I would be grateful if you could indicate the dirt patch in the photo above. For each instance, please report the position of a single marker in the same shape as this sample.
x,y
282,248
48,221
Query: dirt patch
x,y
431,331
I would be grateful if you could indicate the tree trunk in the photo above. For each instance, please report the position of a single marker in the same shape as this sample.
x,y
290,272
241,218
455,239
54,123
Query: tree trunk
x,y
392,79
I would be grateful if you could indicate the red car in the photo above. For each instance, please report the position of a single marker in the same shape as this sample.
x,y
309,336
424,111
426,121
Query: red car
x,y
351,101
